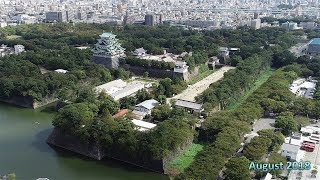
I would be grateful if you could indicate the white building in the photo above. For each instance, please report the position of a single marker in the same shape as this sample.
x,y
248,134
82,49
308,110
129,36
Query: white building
x,y
310,130
140,52
145,108
290,26
3,24
303,87
60,71
291,152
142,125
118,89
308,25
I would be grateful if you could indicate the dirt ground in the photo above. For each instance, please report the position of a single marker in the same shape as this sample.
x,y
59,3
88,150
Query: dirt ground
x,y
194,90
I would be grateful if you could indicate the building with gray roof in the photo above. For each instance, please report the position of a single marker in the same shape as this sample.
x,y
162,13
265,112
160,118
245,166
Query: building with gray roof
x,y
145,108
191,106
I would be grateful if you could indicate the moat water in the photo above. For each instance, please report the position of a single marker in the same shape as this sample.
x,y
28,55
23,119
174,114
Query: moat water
x,y
24,151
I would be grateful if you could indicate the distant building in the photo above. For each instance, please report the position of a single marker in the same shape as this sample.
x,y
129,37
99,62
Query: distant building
x,y
314,47
3,24
256,23
56,16
255,15
290,26
140,52
308,25
202,23
144,108
153,19
108,51
5,50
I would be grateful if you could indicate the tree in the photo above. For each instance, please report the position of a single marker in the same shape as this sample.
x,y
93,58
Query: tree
x,y
237,169
11,176
257,148
161,113
286,122
76,118
276,158
276,137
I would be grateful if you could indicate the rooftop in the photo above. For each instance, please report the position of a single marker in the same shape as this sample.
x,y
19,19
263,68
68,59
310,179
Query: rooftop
x,y
149,104
315,41
188,104
143,125
290,147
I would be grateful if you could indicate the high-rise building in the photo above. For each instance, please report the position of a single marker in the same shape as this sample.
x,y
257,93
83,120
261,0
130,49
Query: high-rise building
x,y
108,51
153,19
256,23
56,16
149,20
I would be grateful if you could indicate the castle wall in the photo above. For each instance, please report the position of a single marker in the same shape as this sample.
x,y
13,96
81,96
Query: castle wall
x,y
108,62
94,150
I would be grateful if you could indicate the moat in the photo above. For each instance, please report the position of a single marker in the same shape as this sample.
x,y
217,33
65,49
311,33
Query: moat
x,y
24,151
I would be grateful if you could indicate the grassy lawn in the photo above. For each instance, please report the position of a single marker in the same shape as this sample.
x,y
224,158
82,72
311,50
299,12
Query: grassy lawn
x,y
186,158
204,71
13,37
262,79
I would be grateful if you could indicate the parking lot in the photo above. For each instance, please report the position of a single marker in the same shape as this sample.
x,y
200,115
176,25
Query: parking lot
x,y
314,158
263,123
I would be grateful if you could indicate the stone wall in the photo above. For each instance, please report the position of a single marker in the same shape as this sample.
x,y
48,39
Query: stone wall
x,y
110,62
157,73
94,150
29,102
74,144
174,154
160,73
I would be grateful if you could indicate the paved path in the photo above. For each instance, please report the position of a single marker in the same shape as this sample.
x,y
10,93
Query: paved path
x,y
196,89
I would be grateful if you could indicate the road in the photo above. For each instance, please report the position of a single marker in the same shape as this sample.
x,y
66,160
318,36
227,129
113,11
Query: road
x,y
196,89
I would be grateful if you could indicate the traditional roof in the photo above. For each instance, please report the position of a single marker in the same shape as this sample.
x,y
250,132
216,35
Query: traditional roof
x,y
140,51
108,45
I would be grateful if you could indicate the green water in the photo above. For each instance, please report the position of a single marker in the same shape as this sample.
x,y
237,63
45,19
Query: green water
x,y
23,150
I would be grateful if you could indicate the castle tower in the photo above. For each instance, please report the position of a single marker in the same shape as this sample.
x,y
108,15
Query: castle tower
x,y
108,51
